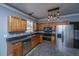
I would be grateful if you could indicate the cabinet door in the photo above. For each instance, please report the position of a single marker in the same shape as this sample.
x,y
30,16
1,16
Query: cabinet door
x,y
18,25
24,25
41,38
12,24
35,41
21,25
39,26
53,40
34,26
17,49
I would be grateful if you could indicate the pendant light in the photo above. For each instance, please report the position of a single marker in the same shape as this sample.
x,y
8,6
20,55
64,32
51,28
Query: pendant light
x,y
52,13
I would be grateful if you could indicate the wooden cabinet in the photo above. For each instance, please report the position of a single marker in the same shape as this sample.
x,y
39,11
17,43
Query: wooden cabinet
x,y
35,41
17,49
53,25
23,25
41,38
34,26
40,26
53,40
16,24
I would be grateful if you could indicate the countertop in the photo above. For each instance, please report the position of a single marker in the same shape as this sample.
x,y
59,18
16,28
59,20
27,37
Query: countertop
x,y
25,36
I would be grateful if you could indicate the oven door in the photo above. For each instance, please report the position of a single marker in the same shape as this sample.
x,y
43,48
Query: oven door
x,y
47,36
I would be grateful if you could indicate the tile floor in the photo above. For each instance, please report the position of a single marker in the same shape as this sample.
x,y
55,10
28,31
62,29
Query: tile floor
x,y
48,49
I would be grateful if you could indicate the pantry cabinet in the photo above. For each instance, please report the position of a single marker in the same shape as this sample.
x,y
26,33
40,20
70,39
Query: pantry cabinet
x,y
16,24
17,49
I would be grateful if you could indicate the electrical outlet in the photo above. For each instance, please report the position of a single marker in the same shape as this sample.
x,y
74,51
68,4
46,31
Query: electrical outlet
x,y
5,35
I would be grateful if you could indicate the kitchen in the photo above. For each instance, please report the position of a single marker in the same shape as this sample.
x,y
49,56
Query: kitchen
x,y
23,34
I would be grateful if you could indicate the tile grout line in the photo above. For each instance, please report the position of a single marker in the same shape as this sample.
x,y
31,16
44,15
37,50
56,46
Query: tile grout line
x,y
32,51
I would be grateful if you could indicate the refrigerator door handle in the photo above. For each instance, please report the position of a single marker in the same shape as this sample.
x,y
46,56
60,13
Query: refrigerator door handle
x,y
62,36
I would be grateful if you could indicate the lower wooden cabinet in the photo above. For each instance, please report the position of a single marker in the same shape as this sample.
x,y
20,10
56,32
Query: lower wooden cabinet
x,y
17,49
53,40
36,40
41,38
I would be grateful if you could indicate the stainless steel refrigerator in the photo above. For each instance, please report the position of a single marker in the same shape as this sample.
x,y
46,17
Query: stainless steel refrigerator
x,y
64,36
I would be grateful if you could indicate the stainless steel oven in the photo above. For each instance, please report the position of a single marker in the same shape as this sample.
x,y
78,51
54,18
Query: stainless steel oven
x,y
47,33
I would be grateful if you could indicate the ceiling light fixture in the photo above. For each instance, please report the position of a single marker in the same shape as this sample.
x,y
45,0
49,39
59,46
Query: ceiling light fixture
x,y
53,13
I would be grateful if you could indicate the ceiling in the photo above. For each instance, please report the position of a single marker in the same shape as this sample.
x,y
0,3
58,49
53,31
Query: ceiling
x,y
40,10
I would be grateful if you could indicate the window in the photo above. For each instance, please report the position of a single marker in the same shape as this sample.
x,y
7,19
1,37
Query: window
x,y
29,26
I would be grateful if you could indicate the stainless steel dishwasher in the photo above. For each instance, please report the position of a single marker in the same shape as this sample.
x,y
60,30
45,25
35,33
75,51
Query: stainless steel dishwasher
x,y
26,46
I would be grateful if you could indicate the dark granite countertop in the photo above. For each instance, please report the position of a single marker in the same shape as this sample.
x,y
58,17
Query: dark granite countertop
x,y
25,37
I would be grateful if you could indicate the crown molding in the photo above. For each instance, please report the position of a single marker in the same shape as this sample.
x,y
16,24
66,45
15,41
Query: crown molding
x,y
70,15
75,14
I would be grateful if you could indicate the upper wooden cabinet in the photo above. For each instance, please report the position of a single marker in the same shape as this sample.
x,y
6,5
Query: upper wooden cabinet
x,y
16,24
40,26
34,26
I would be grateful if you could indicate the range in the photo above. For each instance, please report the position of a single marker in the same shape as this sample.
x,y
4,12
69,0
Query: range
x,y
48,33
